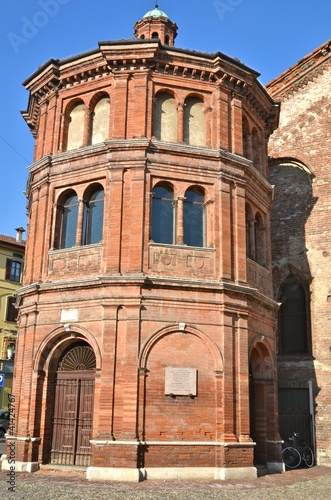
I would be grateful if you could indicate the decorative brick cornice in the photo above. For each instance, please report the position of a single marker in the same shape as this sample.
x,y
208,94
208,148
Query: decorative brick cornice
x,y
302,73
132,57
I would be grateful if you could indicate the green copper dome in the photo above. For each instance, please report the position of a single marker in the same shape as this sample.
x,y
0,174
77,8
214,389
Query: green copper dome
x,y
156,13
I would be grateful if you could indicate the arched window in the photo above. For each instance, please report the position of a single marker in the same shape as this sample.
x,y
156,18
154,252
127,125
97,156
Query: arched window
x,y
247,140
162,230
194,122
100,121
194,214
250,235
69,221
293,318
75,134
256,146
155,35
165,118
260,240
93,218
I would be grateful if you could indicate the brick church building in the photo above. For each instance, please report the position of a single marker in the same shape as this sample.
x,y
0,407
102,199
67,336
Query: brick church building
x,y
150,324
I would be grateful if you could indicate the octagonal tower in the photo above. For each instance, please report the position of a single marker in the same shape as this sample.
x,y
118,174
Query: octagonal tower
x,y
147,320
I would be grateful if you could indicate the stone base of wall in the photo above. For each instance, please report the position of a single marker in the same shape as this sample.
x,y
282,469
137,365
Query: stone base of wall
x,y
115,474
19,466
170,473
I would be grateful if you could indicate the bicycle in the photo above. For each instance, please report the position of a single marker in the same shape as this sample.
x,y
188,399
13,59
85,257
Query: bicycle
x,y
292,457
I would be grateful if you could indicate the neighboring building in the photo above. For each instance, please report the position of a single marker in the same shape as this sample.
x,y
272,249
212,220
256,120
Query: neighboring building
x,y
300,159
147,321
11,273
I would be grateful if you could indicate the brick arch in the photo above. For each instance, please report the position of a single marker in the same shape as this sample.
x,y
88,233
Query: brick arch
x,y
53,345
72,104
299,162
194,95
294,268
91,188
166,416
64,195
157,336
261,359
166,90
95,98
163,183
197,187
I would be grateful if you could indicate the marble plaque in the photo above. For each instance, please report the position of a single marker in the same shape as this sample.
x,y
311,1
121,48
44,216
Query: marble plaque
x,y
180,381
69,315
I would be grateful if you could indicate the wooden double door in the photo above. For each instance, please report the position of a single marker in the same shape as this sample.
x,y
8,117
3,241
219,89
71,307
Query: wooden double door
x,y
73,418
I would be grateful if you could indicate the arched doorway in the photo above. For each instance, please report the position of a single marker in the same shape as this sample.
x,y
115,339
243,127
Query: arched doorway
x,y
73,406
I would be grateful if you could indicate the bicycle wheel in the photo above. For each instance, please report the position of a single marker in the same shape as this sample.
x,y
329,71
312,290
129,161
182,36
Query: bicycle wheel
x,y
308,456
291,457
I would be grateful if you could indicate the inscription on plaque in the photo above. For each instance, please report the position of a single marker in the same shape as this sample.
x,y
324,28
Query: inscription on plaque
x,y
180,381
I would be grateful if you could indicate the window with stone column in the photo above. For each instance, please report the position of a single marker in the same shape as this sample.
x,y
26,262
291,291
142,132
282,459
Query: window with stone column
x,y
163,214
93,216
68,215
74,127
194,217
99,124
194,122
165,118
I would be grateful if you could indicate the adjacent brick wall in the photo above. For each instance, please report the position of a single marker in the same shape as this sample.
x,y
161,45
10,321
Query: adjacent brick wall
x,y
300,152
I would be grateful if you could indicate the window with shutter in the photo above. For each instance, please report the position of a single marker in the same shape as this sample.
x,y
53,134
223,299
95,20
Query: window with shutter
x,y
11,313
13,270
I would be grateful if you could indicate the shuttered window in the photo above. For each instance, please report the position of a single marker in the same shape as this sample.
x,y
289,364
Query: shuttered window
x,y
11,312
13,270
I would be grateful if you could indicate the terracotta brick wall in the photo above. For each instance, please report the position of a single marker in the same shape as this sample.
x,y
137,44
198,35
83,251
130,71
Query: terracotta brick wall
x,y
301,226
127,296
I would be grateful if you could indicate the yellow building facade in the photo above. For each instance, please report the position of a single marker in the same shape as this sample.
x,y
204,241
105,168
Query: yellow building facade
x,y
11,272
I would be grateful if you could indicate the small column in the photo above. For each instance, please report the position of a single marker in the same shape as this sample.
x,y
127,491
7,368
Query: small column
x,y
180,221
87,126
209,224
180,117
251,243
79,232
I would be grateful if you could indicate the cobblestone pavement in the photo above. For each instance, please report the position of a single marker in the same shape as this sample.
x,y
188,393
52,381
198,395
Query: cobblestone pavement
x,y
53,485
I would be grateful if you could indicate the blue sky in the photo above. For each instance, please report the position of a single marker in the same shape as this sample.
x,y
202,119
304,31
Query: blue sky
x,y
269,36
